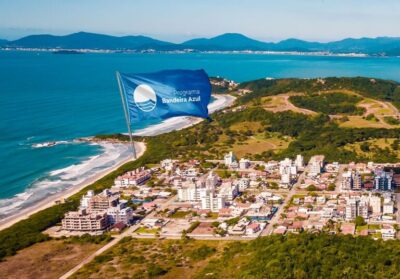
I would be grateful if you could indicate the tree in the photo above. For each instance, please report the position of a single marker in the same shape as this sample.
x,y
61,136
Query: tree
x,y
359,221
331,187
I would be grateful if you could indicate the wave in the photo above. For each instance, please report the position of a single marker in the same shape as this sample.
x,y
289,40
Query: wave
x,y
63,179
49,143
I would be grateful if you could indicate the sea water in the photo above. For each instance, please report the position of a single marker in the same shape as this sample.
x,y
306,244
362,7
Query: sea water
x,y
46,97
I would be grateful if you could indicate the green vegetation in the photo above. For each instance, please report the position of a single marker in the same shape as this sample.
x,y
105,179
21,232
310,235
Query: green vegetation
x,y
391,120
291,256
372,88
309,135
331,103
150,258
307,256
359,221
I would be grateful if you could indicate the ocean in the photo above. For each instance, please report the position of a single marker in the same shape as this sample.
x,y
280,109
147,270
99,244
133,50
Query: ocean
x,y
46,97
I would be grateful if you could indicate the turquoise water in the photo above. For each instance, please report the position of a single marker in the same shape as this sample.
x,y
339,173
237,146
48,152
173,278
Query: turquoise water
x,y
46,97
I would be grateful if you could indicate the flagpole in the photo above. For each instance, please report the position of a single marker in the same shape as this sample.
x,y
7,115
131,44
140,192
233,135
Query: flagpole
x,y
128,122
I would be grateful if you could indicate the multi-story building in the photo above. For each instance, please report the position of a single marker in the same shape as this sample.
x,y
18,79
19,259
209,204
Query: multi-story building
x,y
229,159
133,178
315,165
228,191
347,180
299,162
383,181
211,202
376,204
388,207
168,164
356,181
362,209
85,221
351,209
102,201
119,213
244,164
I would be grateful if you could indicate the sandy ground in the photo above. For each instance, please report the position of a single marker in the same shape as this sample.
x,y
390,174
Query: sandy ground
x,y
51,200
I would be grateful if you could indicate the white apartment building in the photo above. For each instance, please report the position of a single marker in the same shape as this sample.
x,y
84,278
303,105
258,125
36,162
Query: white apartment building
x,y
84,221
375,204
211,202
315,165
119,213
228,191
243,183
168,164
299,162
229,159
388,207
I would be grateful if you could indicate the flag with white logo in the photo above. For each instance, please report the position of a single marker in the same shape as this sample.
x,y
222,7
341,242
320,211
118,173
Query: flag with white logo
x,y
166,94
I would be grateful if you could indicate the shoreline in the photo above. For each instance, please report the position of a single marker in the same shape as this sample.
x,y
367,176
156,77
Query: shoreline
x,y
176,123
52,199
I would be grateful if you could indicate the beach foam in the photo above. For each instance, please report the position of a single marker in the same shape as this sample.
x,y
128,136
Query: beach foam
x,y
65,178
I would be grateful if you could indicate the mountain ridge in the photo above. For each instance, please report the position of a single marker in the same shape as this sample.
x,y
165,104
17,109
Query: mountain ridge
x,y
223,42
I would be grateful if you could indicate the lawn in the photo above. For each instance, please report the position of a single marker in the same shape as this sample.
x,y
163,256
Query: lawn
x,y
180,214
145,230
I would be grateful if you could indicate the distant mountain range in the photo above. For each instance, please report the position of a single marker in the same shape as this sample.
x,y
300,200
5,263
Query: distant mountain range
x,y
225,42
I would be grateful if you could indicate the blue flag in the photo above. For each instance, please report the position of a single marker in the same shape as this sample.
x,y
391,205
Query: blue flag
x,y
166,94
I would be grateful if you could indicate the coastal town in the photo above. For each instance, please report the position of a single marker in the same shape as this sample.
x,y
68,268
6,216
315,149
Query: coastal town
x,y
238,199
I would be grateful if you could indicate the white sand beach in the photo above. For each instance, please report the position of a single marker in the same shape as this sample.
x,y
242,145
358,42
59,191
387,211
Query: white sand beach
x,y
176,123
59,196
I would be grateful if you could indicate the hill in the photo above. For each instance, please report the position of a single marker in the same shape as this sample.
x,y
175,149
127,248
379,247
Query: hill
x,y
229,41
83,40
225,42
3,42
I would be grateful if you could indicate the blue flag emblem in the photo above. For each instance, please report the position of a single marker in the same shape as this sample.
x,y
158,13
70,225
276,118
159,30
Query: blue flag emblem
x,y
166,94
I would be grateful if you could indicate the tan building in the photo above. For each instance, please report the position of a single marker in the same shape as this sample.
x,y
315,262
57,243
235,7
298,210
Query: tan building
x,y
83,221
102,202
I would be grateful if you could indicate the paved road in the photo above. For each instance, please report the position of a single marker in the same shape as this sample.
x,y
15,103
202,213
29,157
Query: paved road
x,y
270,227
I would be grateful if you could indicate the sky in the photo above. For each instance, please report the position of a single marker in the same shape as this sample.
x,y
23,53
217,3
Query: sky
x,y
180,20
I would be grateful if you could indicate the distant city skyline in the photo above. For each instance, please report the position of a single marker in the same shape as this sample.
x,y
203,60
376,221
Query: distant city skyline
x,y
179,20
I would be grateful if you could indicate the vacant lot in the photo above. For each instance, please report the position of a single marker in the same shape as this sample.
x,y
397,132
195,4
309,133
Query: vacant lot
x,y
148,258
49,259
260,143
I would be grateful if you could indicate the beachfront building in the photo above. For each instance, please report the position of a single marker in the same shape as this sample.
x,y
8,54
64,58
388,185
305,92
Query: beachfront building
x,y
119,214
133,178
102,201
85,221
